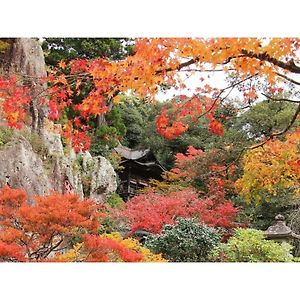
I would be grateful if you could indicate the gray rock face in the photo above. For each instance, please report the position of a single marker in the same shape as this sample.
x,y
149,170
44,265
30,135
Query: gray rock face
x,y
21,167
99,177
54,144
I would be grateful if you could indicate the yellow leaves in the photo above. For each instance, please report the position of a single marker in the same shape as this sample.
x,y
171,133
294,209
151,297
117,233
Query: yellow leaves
x,y
133,244
73,255
274,166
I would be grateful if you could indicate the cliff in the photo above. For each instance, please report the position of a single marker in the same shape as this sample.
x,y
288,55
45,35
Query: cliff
x,y
34,158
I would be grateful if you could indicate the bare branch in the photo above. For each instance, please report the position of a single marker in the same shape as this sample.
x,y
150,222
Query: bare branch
x,y
205,70
280,99
288,78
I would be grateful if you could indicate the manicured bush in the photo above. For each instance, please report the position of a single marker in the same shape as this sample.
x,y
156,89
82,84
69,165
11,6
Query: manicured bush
x,y
185,241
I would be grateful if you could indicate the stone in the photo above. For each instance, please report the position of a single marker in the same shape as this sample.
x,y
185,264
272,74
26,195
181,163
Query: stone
x,y
99,177
20,167
54,144
279,231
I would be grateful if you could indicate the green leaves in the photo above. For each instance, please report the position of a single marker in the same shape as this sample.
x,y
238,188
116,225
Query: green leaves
x,y
249,245
185,241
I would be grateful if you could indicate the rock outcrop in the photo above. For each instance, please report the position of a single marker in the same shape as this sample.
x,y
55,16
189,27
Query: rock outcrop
x,y
40,173
99,177
21,167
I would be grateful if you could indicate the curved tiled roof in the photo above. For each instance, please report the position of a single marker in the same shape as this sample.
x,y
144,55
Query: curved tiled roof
x,y
131,154
136,155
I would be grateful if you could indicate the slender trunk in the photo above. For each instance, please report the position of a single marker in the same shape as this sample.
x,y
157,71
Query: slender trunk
x,y
101,120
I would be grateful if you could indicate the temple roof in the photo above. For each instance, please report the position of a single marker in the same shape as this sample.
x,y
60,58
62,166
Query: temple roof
x,y
131,154
143,157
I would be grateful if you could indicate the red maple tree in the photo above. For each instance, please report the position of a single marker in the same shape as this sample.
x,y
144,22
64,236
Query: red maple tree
x,y
151,211
36,232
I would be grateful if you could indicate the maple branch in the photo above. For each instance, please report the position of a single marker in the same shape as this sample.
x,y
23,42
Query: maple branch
x,y
53,247
47,248
179,67
236,159
280,99
231,87
290,66
239,82
225,62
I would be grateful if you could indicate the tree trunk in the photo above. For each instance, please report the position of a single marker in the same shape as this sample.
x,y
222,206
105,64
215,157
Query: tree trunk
x,y
101,120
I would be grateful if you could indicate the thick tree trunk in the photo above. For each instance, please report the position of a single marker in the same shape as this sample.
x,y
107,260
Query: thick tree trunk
x,y
24,58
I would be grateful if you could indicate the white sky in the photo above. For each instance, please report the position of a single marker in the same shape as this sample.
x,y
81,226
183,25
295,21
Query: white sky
x,y
192,82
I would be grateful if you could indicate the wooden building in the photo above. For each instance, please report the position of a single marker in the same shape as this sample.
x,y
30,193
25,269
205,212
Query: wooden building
x,y
139,167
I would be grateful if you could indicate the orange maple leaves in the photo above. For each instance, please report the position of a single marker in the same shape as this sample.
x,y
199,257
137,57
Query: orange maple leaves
x,y
156,61
35,232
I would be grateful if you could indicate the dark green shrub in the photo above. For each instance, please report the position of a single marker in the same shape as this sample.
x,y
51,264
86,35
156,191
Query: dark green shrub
x,y
186,241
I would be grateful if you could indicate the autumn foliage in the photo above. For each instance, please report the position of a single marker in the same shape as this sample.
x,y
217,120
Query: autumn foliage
x,y
206,167
59,227
46,231
271,167
156,61
35,232
159,62
174,197
14,100
109,248
151,211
